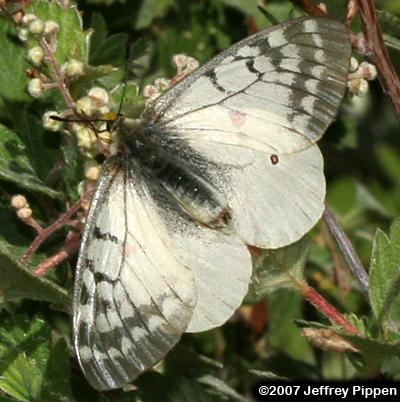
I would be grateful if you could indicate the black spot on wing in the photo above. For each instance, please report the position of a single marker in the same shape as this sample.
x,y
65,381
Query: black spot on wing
x,y
104,236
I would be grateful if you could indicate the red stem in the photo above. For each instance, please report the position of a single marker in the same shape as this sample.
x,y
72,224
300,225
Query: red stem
x,y
379,54
327,309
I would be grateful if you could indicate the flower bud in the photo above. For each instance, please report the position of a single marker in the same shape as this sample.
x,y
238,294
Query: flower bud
x,y
92,170
18,201
36,55
74,68
85,106
24,213
49,123
35,87
23,34
353,64
367,70
36,27
27,19
99,96
358,86
51,27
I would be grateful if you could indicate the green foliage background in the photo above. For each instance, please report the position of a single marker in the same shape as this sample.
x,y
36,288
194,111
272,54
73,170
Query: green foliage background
x,y
362,165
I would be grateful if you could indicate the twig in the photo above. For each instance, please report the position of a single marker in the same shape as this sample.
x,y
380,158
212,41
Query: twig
x,y
310,8
327,309
379,54
59,75
71,246
347,249
340,270
60,222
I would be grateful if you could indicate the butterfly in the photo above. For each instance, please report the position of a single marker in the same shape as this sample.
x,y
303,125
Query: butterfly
x,y
224,159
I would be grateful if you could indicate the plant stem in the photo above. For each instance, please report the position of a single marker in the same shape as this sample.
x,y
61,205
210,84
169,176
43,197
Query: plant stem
x,y
379,54
327,309
347,249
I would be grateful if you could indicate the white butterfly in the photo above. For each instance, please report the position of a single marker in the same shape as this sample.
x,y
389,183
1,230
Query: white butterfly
x,y
224,159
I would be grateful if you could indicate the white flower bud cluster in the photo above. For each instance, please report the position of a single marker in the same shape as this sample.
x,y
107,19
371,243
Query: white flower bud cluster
x,y
359,76
21,206
33,27
184,66
94,105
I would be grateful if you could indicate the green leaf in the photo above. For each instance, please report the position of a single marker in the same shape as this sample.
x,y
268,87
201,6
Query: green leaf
x,y
284,307
31,368
13,64
392,42
71,40
279,268
132,102
56,384
23,354
15,165
385,274
186,362
247,7
17,281
221,388
155,387
150,10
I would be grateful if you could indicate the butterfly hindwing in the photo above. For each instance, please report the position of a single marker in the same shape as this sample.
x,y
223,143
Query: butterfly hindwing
x,y
143,278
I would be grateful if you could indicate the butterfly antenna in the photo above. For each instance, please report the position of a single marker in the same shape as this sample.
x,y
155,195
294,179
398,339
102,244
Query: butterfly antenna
x,y
126,77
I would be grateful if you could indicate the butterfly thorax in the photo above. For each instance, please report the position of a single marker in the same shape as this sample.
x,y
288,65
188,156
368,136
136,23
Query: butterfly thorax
x,y
142,146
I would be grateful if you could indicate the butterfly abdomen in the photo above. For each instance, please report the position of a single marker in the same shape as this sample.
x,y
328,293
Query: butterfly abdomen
x,y
199,199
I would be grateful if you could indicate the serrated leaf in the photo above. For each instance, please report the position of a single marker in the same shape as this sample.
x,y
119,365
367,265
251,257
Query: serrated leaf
x,y
71,41
31,368
385,273
17,281
23,354
15,165
150,10
56,381
280,268
155,387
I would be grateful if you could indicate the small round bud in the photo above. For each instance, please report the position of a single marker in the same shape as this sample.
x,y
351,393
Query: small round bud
x,y
51,27
19,201
85,106
162,84
35,87
99,96
36,55
49,123
74,68
27,19
180,61
367,70
192,64
91,169
353,64
23,34
358,86
24,213
150,91
85,138
81,188
36,27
